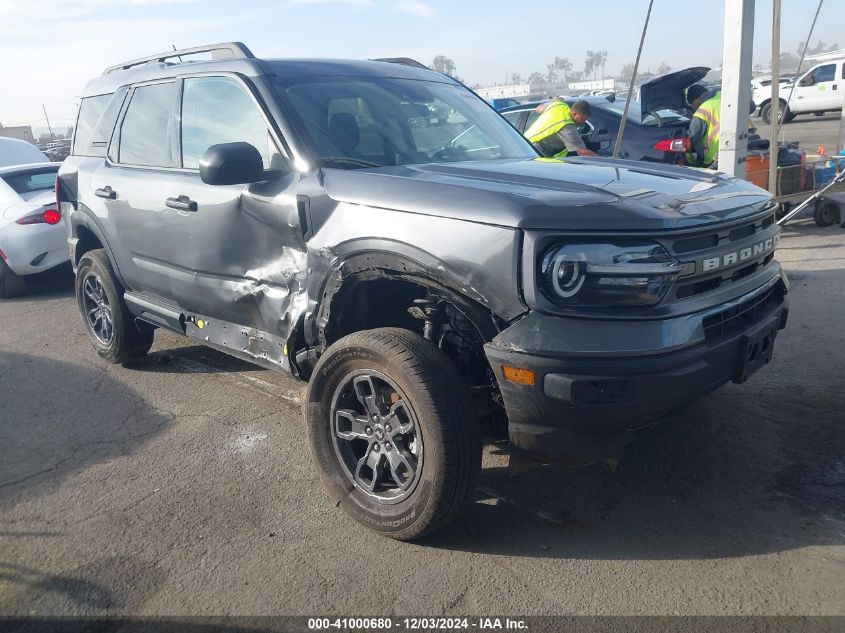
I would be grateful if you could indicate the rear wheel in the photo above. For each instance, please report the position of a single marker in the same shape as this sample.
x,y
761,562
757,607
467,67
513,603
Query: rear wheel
x,y
11,284
113,331
391,431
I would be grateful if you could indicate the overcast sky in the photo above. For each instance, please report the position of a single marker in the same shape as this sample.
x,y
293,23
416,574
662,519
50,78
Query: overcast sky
x,y
50,48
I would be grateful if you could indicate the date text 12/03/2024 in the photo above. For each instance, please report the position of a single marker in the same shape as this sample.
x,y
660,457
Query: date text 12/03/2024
x,y
416,624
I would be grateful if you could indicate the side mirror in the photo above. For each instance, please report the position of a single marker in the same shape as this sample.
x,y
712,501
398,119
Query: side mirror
x,y
231,164
807,81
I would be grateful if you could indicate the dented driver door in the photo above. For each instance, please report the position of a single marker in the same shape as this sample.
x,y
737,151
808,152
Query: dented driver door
x,y
235,252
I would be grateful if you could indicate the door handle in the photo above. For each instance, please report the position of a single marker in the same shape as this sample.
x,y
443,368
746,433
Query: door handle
x,y
182,203
835,87
106,192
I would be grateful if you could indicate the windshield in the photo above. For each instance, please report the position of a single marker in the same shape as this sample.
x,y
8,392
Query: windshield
x,y
667,117
353,122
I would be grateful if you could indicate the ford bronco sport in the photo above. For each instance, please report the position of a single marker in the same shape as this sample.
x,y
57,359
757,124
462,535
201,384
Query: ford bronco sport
x,y
424,279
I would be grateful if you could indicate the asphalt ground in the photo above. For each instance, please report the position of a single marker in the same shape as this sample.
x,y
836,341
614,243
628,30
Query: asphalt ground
x,y
810,131
182,485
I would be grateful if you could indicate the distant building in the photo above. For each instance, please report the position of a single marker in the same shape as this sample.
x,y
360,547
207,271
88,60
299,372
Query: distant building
x,y
501,92
22,132
595,84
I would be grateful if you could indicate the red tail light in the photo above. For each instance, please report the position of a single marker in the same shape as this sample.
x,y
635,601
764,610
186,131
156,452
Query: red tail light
x,y
50,216
681,144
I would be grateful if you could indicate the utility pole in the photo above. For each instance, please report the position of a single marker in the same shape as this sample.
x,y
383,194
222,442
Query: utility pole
x,y
841,145
736,86
48,121
775,109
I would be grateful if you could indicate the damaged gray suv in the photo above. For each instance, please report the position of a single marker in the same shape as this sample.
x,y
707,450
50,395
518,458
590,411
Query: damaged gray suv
x,y
376,229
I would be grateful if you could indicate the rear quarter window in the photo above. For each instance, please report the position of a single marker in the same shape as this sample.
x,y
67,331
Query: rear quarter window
x,y
95,124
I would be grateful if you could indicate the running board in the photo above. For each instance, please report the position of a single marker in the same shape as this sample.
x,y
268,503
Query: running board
x,y
145,309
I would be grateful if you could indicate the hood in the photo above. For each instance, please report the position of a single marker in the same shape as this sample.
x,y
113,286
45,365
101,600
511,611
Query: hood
x,y
668,92
572,194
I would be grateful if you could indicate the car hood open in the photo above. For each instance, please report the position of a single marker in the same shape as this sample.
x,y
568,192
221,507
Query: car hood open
x,y
573,194
668,92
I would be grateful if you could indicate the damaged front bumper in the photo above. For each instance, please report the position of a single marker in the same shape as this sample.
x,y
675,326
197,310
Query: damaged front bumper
x,y
596,382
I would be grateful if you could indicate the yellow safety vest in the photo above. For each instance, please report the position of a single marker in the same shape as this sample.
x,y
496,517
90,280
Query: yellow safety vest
x,y
710,112
551,121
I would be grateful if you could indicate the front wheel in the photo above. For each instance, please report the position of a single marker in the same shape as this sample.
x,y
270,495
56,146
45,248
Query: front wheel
x,y
391,431
112,329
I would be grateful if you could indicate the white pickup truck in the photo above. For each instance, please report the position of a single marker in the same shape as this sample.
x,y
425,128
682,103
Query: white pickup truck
x,y
818,90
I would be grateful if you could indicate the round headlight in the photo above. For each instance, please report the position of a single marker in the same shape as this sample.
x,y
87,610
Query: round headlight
x,y
568,277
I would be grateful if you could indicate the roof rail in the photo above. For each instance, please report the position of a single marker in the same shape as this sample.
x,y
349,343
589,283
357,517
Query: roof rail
x,y
227,50
406,61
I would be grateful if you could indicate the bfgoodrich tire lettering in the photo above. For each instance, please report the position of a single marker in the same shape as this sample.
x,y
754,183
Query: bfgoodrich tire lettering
x,y
409,372
110,326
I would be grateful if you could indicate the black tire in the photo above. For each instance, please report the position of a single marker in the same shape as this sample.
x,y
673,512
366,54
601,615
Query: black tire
x,y
826,213
11,284
785,114
126,339
448,458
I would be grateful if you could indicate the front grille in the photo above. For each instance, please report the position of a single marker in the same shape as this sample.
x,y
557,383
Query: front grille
x,y
696,288
694,250
741,315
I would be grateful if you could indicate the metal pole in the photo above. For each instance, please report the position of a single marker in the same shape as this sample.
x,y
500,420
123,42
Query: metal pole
x,y
736,86
841,145
48,121
775,108
617,147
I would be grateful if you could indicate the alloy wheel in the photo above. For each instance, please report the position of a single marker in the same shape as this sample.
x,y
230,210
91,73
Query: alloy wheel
x,y
98,312
376,436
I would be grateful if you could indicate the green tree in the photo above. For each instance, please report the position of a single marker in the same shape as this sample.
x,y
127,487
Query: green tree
x,y
536,79
443,64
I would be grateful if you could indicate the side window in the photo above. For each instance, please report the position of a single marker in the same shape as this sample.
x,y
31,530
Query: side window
x,y
532,116
90,111
824,73
512,118
218,110
145,134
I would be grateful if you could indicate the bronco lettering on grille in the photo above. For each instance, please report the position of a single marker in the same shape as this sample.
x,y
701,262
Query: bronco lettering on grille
x,y
736,257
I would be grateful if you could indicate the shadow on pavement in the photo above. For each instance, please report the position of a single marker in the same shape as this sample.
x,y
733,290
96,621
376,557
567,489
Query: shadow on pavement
x,y
55,283
713,481
58,418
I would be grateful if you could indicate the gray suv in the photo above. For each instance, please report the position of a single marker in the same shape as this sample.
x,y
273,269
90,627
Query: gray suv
x,y
378,230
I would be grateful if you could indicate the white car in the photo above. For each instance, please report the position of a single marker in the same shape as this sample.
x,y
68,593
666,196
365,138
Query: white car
x,y
16,152
32,236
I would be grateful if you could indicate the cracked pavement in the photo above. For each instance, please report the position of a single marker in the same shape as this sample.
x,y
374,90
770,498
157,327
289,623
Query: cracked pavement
x,y
182,485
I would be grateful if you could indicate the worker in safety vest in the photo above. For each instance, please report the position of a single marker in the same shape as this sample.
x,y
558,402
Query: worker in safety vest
x,y
555,132
704,125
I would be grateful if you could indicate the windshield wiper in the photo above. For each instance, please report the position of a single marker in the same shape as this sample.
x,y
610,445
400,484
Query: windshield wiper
x,y
339,161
